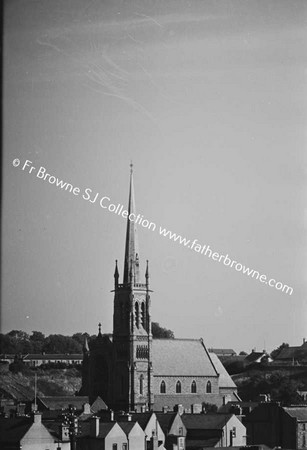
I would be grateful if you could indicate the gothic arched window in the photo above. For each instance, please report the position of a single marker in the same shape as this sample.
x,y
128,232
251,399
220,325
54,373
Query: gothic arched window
x,y
178,387
141,384
208,388
193,387
162,387
143,315
137,314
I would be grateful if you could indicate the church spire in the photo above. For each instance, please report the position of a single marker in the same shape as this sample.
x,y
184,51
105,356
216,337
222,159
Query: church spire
x,y
131,263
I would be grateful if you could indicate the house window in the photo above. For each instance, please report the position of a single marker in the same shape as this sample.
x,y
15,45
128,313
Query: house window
x,y
162,387
125,446
209,388
141,384
304,441
178,387
180,431
114,447
193,387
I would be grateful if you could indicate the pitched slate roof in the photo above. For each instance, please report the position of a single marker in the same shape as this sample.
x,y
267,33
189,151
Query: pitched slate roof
x,y
225,380
299,412
141,418
222,351
196,444
61,402
98,405
288,353
13,430
165,420
205,421
126,426
189,357
104,429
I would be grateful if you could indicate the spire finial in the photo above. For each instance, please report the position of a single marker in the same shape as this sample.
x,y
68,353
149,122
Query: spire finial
x,y
131,167
99,328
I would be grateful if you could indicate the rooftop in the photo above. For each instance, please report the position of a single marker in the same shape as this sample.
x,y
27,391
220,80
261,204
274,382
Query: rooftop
x,y
189,357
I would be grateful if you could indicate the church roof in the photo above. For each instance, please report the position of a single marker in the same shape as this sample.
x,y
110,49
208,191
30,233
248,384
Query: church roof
x,y
181,357
205,421
225,380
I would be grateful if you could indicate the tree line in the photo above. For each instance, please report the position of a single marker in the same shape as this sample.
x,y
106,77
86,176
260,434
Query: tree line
x,y
20,342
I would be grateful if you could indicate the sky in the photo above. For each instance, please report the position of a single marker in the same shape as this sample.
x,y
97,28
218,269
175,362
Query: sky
x,y
208,99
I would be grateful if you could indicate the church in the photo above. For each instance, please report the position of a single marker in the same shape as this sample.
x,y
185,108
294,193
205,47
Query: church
x,y
129,369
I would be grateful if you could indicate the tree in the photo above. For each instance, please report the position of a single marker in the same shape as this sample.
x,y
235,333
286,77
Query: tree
x,y
161,333
80,337
242,353
57,343
280,387
37,339
277,350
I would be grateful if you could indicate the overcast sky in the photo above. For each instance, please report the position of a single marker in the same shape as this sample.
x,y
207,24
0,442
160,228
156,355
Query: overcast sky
x,y
208,98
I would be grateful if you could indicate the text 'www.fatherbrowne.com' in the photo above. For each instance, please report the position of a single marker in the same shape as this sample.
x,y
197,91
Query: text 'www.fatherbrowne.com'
x,y
224,259
105,203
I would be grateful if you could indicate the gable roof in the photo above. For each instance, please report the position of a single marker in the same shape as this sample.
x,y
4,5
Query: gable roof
x,y
127,426
225,380
105,428
142,418
299,412
166,420
205,421
189,358
98,405
62,402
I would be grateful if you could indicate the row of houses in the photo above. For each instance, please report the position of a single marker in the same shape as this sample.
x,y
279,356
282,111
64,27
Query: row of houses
x,y
96,427
38,359
63,420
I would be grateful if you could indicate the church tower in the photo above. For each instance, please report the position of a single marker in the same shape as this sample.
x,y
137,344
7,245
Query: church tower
x,y
132,337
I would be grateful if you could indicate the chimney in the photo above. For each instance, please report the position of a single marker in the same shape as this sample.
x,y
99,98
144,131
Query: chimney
x,y
37,417
196,408
94,426
179,408
129,417
153,443
112,415
86,408
304,340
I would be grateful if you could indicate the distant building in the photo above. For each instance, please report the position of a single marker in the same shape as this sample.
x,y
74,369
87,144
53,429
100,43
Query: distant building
x,y
258,357
37,359
130,370
277,426
223,352
292,355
